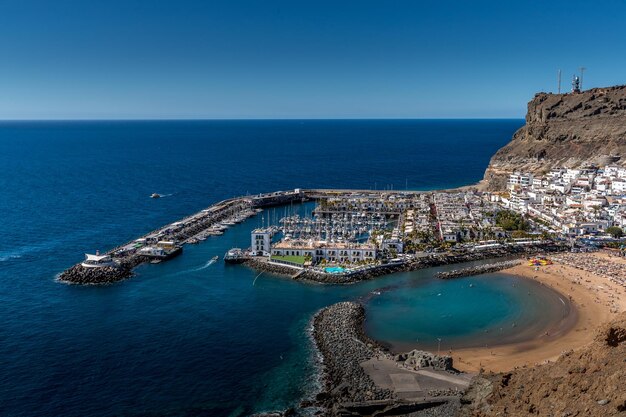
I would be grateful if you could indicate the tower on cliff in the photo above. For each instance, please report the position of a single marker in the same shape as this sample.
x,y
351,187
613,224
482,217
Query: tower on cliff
x,y
575,84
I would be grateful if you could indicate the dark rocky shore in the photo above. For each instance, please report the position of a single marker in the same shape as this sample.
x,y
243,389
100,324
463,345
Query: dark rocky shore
x,y
338,333
78,274
477,270
347,389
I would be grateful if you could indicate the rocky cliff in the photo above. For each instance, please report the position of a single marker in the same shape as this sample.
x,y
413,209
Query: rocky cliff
x,y
570,130
589,382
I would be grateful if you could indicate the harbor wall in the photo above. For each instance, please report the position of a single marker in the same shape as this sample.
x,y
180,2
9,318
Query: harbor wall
x,y
193,225
413,264
477,270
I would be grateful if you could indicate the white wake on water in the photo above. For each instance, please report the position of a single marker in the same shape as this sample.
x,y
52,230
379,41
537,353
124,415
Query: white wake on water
x,y
200,268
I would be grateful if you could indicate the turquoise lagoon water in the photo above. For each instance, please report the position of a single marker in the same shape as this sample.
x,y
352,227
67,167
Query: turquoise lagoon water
x,y
484,310
184,338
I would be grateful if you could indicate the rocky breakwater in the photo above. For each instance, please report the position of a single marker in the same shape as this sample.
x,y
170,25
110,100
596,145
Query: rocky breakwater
x,y
570,130
338,334
78,274
477,270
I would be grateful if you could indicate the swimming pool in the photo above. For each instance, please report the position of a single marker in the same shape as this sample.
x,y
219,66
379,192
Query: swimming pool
x,y
334,270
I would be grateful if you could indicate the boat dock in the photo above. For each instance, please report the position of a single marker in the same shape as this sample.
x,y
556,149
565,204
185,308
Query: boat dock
x,y
168,241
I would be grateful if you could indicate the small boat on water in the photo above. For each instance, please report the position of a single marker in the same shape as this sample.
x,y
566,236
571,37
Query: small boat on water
x,y
155,195
215,258
234,256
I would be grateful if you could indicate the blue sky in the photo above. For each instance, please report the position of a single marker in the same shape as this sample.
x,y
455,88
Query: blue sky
x,y
299,59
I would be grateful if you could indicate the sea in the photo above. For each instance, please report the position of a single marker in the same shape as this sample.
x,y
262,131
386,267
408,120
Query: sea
x,y
191,338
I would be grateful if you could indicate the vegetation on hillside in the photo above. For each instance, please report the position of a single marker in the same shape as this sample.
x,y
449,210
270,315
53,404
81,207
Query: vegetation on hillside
x,y
510,220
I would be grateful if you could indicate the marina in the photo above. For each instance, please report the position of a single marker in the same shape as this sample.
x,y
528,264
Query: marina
x,y
351,235
168,241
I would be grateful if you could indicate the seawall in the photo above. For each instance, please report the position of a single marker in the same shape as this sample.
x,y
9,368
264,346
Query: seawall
x,y
180,232
412,264
477,270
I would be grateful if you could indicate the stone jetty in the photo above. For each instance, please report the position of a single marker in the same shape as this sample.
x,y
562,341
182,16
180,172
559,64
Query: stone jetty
x,y
338,334
128,255
478,269
349,390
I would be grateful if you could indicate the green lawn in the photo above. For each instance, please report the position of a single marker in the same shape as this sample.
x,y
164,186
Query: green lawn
x,y
293,259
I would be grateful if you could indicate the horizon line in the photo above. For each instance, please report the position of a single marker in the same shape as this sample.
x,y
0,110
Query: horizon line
x,y
198,119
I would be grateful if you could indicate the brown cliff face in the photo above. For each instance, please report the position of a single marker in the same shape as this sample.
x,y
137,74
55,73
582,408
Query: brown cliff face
x,y
570,130
589,382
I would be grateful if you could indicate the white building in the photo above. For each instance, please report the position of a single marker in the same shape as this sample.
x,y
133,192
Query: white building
x,y
261,241
329,251
98,261
393,244
618,186
521,179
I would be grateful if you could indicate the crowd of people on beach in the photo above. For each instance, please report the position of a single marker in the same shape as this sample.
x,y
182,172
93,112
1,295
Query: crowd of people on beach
x,y
612,270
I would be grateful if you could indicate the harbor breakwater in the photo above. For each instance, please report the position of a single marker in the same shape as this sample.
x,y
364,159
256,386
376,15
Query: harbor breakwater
x,y
128,255
338,334
347,389
477,270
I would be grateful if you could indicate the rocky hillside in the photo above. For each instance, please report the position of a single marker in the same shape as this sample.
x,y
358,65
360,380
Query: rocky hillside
x,y
568,130
589,382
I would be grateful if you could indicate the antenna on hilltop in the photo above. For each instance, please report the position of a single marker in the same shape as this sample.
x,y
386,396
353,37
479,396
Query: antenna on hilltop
x,y
559,80
575,84
582,70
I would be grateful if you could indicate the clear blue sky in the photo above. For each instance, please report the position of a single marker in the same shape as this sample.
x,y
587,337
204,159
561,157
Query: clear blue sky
x,y
291,59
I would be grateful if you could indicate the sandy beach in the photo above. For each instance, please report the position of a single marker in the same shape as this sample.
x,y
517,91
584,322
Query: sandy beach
x,y
594,300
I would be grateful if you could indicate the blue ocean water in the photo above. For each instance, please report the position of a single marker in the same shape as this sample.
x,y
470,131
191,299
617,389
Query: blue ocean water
x,y
183,338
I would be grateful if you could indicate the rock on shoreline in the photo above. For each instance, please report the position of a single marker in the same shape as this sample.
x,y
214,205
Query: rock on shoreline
x,y
78,274
421,359
477,270
348,390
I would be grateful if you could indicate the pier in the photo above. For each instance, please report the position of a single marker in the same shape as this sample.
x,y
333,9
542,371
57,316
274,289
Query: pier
x,y
168,241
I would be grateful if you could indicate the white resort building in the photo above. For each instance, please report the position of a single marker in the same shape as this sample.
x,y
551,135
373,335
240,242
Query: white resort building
x,y
261,241
322,250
